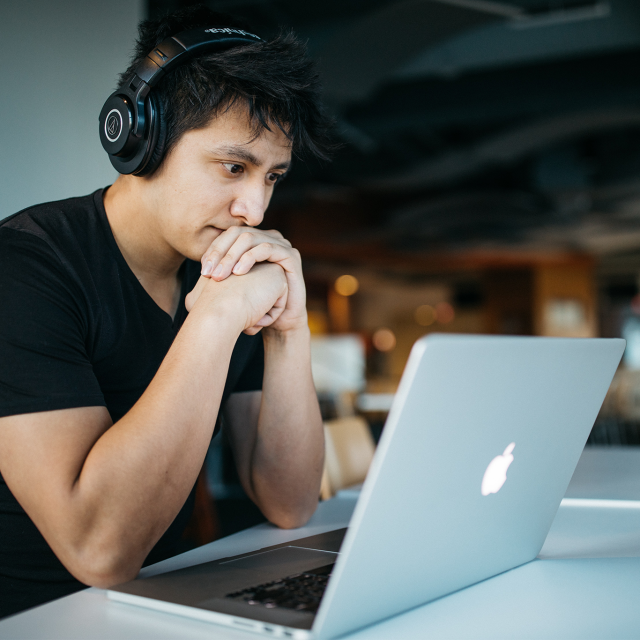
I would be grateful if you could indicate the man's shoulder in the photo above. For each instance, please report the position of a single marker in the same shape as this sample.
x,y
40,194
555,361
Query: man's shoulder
x,y
47,219
66,228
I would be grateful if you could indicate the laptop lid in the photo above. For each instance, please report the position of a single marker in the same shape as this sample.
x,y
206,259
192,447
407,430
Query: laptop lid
x,y
426,524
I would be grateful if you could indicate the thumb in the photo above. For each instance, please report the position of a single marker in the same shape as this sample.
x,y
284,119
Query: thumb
x,y
193,296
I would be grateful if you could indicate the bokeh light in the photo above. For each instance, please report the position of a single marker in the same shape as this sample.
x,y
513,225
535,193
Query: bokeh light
x,y
346,285
384,339
445,313
425,315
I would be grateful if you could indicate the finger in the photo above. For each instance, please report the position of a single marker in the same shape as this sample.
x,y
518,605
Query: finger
x,y
219,248
274,233
265,321
274,313
265,252
244,265
243,243
281,302
221,245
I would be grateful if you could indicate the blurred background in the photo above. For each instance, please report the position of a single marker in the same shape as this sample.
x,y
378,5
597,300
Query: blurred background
x,y
488,179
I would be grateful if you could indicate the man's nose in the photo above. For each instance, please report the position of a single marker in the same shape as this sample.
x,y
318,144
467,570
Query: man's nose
x,y
249,205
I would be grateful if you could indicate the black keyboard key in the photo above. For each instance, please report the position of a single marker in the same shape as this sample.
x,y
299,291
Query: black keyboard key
x,y
301,591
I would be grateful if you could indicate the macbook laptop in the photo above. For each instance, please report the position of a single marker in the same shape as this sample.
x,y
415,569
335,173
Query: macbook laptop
x,y
480,444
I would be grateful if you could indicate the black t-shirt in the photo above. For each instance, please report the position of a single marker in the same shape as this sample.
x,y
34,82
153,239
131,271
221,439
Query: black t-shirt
x,y
77,329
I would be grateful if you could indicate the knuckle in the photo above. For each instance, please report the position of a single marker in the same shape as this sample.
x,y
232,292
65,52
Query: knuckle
x,y
246,237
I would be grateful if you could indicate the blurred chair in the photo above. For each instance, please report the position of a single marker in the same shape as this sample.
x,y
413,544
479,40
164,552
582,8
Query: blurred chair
x,y
203,527
349,449
618,422
338,366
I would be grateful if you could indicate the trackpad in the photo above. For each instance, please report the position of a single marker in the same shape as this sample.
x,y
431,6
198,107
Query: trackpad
x,y
285,561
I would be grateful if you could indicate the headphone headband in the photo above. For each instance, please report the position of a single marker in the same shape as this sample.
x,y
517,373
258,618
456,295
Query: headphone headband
x,y
131,127
186,44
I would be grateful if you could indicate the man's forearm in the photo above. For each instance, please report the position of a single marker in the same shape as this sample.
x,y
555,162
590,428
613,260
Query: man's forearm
x,y
288,455
138,474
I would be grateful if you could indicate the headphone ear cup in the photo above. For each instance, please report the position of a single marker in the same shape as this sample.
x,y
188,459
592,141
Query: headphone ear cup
x,y
116,123
157,138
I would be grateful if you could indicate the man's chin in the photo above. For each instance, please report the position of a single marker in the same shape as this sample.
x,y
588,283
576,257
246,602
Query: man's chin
x,y
196,249
195,255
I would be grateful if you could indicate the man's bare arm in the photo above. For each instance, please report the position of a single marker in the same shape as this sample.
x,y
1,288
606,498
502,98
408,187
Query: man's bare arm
x,y
279,448
102,494
277,435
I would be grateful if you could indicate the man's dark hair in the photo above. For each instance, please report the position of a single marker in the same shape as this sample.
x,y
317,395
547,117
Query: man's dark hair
x,y
274,79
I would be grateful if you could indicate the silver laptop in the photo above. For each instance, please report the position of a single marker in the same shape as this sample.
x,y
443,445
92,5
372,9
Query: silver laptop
x,y
479,447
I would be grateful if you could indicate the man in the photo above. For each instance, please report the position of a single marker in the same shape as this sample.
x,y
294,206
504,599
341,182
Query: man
x,y
131,317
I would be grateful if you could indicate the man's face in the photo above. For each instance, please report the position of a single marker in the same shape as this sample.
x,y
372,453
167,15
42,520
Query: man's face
x,y
215,178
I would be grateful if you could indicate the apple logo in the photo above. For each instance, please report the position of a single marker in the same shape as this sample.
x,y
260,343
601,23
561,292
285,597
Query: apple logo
x,y
496,474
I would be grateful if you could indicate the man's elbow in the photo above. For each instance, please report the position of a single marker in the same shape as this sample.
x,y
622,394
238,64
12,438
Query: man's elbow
x,y
102,569
292,518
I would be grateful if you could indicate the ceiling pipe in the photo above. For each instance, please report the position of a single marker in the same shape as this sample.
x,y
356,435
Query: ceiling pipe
x,y
505,148
485,6
363,54
593,11
521,19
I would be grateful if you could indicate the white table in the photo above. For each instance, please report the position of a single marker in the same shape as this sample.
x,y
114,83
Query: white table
x,y
586,583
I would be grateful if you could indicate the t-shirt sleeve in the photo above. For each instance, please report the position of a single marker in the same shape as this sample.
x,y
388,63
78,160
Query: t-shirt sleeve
x,y
44,364
251,377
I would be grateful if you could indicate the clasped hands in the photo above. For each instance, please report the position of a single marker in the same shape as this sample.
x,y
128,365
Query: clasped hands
x,y
235,252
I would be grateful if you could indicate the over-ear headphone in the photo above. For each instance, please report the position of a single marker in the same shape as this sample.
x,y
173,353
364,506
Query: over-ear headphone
x,y
132,129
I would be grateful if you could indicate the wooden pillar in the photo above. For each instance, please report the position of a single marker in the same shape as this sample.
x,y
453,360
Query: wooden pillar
x,y
509,301
339,312
565,300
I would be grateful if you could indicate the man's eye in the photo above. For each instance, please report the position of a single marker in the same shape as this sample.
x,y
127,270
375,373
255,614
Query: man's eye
x,y
232,167
274,178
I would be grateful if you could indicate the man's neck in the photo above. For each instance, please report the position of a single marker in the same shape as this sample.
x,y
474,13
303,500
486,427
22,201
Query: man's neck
x,y
130,211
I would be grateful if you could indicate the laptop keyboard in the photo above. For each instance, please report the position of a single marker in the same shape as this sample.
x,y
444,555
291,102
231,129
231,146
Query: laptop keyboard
x,y
301,592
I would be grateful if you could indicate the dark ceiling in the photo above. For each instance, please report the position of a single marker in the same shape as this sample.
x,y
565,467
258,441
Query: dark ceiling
x,y
466,123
